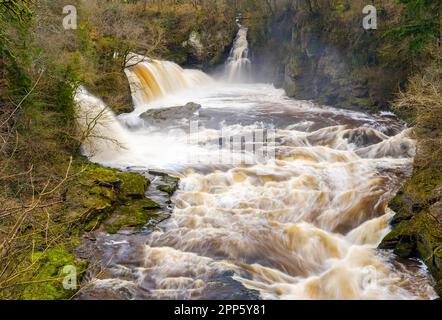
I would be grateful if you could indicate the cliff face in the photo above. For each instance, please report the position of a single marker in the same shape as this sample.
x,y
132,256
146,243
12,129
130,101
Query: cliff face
x,y
326,55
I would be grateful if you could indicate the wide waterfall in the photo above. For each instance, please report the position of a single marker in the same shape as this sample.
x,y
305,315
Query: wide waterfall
x,y
152,79
238,66
304,224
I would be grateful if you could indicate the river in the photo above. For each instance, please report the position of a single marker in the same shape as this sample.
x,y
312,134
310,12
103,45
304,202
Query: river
x,y
278,199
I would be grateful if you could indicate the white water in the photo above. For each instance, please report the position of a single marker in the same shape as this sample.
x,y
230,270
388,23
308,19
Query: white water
x,y
304,225
152,79
238,63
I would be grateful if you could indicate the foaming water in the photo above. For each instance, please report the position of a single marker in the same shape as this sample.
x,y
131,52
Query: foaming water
x,y
152,79
102,135
238,64
302,225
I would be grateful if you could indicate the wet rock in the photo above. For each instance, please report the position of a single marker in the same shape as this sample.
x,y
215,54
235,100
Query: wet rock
x,y
166,188
402,240
133,185
158,173
421,237
170,185
109,199
135,215
167,116
362,137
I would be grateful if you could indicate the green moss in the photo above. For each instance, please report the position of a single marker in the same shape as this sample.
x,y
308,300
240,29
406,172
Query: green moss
x,y
420,236
135,215
133,185
47,284
342,6
438,288
166,188
170,185
108,197
361,102
401,239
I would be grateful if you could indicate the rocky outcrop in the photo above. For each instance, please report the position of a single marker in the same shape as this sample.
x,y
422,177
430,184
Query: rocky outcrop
x,y
417,233
325,55
207,48
110,200
417,226
167,116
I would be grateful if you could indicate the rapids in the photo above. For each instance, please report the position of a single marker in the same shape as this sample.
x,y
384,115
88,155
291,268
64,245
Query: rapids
x,y
302,222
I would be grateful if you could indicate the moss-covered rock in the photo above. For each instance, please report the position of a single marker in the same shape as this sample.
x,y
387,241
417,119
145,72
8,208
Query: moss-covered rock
x,y
108,197
47,284
417,227
133,185
170,185
135,214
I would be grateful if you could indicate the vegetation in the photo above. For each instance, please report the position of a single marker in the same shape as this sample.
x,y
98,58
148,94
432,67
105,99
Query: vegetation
x,y
50,195
417,228
319,49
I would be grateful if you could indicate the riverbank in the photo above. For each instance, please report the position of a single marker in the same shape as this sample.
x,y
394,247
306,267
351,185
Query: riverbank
x,y
417,226
95,199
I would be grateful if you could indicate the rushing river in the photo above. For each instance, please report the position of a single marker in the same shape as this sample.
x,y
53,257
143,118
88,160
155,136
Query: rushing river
x,y
302,221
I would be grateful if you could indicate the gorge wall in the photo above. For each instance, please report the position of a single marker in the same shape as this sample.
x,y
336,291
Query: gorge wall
x,y
323,53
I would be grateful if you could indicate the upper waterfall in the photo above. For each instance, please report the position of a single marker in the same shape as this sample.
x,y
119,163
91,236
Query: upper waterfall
x,y
238,63
151,79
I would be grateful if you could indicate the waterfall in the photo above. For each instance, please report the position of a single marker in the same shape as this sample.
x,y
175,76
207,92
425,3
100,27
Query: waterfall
x,y
102,134
152,79
238,63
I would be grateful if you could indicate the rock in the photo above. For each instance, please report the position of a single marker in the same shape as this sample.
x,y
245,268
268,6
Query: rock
x,y
46,284
167,188
169,184
133,185
103,196
169,115
420,237
196,47
402,240
363,137
158,173
135,214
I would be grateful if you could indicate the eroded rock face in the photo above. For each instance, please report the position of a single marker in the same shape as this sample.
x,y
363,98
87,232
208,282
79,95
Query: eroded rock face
x,y
208,48
196,47
326,56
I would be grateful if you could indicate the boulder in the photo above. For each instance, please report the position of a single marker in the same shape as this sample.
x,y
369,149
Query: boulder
x,y
170,115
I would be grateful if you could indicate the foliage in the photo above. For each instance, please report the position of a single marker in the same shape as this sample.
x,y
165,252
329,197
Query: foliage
x,y
17,9
421,24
